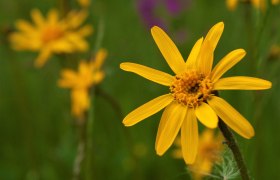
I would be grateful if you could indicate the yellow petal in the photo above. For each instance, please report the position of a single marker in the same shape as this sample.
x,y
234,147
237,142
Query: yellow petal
x,y
147,109
205,57
226,63
98,77
68,80
37,17
148,73
85,30
99,58
170,124
80,102
43,57
206,115
52,17
191,61
25,26
75,19
242,83
231,117
77,42
169,50
189,137
214,34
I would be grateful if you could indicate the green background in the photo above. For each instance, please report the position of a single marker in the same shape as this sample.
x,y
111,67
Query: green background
x,y
38,136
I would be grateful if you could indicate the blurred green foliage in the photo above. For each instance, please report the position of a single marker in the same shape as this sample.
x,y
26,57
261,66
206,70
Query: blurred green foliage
x,y
39,136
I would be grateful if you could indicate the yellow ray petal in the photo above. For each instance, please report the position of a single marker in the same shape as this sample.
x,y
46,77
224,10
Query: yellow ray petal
x,y
226,63
52,16
37,17
25,26
242,83
99,58
189,137
231,117
205,57
169,50
85,30
43,57
147,109
170,124
214,34
191,61
148,73
206,115
68,79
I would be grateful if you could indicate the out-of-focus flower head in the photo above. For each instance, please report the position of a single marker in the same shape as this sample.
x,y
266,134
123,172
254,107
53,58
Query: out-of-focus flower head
x,y
259,4
88,75
51,35
210,149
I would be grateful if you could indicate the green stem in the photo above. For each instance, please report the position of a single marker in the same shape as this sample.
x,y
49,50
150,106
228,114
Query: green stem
x,y
89,139
80,150
111,100
231,142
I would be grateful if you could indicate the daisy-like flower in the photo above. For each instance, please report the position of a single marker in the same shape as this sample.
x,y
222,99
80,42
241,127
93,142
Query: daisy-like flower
x,y
51,35
259,4
192,92
88,75
210,148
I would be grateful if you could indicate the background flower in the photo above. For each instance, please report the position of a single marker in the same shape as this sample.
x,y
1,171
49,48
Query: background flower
x,y
89,74
51,35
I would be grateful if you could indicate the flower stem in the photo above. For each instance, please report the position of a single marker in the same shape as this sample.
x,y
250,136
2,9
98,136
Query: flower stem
x,y
89,134
231,142
80,151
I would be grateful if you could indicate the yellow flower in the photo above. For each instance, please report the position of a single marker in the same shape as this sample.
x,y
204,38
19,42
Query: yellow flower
x,y
209,152
88,75
51,35
192,92
259,4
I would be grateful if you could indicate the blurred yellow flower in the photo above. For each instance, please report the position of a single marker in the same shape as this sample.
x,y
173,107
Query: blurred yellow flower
x,y
259,4
192,92
210,148
84,3
88,75
51,35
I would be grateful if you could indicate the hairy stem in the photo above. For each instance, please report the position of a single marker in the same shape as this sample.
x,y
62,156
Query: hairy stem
x,y
231,142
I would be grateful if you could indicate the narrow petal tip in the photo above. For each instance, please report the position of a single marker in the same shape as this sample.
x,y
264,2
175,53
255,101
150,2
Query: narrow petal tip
x,y
123,65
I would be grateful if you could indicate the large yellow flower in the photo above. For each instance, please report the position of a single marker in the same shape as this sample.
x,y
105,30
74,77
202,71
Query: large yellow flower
x,y
210,149
192,92
259,4
51,35
89,74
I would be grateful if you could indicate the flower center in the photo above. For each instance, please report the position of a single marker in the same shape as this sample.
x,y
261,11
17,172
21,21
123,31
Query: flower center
x,y
51,33
191,88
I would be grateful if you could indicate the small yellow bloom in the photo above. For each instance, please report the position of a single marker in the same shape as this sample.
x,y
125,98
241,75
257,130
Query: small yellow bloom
x,y
259,4
210,148
88,75
51,35
192,92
